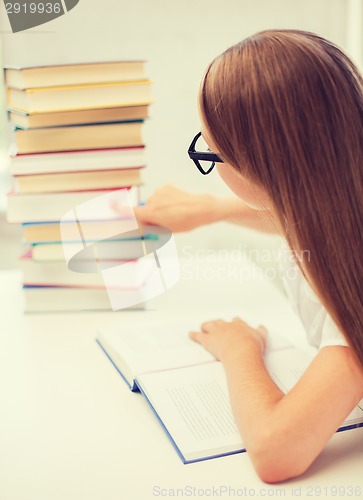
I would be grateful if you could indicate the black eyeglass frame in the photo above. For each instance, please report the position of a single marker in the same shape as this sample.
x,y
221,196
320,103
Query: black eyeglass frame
x,y
205,155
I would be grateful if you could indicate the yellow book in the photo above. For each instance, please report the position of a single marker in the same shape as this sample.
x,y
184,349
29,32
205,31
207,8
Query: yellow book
x,y
78,181
77,97
113,135
78,117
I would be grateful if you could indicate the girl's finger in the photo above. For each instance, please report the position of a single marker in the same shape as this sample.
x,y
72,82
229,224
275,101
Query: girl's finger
x,y
236,319
197,337
209,325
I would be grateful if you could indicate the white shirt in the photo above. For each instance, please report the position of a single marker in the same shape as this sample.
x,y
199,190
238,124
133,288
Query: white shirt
x,y
320,329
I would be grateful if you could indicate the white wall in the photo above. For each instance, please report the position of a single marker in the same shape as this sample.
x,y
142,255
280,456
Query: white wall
x,y
178,38
354,36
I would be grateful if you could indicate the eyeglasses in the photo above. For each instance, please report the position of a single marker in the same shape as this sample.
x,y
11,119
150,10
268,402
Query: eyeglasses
x,y
202,156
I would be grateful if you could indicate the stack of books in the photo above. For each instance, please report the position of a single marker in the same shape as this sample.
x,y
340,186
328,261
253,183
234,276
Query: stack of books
x,y
78,136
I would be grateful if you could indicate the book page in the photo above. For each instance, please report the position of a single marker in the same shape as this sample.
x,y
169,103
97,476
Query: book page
x,y
164,346
154,347
193,403
287,366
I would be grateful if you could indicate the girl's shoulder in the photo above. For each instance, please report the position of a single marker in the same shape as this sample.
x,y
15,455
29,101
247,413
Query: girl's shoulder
x,y
321,330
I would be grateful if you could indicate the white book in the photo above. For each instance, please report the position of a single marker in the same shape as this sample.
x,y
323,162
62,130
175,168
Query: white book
x,y
59,299
104,250
187,389
88,274
131,248
44,207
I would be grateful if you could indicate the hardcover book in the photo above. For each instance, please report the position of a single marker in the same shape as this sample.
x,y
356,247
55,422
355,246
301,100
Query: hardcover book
x,y
78,161
186,386
74,74
80,137
77,117
77,97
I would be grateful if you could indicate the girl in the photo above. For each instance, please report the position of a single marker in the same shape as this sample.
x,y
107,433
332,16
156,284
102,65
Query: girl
x,y
282,112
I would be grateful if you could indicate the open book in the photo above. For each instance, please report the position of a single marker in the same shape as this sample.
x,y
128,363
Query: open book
x,y
186,387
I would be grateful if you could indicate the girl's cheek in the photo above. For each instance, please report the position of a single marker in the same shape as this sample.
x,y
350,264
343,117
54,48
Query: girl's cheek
x,y
249,193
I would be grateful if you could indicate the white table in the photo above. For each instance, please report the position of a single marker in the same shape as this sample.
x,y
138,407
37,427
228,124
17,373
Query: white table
x,y
71,429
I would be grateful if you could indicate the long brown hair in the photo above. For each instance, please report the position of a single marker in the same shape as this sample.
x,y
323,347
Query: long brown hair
x,y
285,108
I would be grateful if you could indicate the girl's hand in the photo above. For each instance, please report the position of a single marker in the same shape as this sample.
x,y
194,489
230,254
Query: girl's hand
x,y
230,338
178,210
